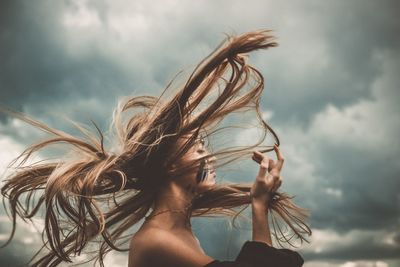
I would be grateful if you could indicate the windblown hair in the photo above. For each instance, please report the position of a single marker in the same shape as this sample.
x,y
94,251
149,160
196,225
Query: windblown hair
x,y
74,191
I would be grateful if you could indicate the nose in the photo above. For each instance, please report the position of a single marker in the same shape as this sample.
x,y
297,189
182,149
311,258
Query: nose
x,y
210,162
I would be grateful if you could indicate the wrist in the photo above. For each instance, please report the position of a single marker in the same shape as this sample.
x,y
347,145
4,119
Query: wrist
x,y
261,203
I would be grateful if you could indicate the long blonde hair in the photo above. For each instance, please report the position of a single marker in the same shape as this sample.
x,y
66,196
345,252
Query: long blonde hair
x,y
74,191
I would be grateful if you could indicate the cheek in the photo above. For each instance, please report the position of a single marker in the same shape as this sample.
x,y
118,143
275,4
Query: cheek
x,y
191,176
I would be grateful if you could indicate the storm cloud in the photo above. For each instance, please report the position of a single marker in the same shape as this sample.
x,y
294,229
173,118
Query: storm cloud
x,y
331,94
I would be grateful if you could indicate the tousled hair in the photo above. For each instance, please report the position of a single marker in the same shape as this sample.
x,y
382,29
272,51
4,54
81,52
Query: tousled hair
x,y
74,191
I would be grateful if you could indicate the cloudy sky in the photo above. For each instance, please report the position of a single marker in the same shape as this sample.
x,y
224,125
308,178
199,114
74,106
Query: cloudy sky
x,y
331,94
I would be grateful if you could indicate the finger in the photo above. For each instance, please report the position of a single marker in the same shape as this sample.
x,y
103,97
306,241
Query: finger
x,y
277,185
258,156
271,164
278,151
280,158
256,159
263,167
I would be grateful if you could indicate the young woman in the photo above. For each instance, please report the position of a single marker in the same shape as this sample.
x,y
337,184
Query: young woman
x,y
162,172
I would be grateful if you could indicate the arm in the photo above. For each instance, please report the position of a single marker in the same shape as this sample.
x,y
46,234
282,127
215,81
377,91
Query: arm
x,y
261,231
260,252
268,180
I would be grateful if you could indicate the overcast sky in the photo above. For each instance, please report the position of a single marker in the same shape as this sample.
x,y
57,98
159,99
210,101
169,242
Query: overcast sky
x,y
331,94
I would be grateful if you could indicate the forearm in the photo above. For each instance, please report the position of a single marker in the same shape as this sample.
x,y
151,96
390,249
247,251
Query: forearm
x,y
261,231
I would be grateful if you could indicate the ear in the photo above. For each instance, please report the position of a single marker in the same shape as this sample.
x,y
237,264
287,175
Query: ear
x,y
172,168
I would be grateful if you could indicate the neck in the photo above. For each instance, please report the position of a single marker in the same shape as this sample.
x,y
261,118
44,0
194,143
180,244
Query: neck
x,y
173,198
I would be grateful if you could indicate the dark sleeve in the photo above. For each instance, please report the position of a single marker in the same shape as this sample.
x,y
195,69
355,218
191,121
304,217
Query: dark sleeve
x,y
259,254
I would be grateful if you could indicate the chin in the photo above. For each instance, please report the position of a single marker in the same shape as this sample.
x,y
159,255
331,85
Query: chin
x,y
207,185
212,183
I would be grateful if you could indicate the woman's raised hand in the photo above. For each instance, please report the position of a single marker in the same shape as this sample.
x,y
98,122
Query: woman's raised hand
x,y
267,183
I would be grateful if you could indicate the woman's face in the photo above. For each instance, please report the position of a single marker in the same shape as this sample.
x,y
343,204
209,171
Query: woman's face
x,y
202,178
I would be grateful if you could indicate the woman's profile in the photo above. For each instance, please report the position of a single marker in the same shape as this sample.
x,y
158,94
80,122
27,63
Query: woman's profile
x,y
163,172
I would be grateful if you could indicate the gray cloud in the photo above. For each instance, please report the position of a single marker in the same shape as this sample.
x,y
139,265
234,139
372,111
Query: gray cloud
x,y
331,92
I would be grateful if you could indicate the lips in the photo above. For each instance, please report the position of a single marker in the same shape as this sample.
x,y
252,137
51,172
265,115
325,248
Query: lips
x,y
212,172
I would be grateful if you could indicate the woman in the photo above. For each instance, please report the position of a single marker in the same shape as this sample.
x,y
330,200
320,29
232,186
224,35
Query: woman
x,y
161,171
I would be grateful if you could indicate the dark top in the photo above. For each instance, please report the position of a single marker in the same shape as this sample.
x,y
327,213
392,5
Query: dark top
x,y
259,254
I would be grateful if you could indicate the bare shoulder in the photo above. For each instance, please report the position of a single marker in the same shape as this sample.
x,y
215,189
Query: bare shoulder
x,y
155,245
